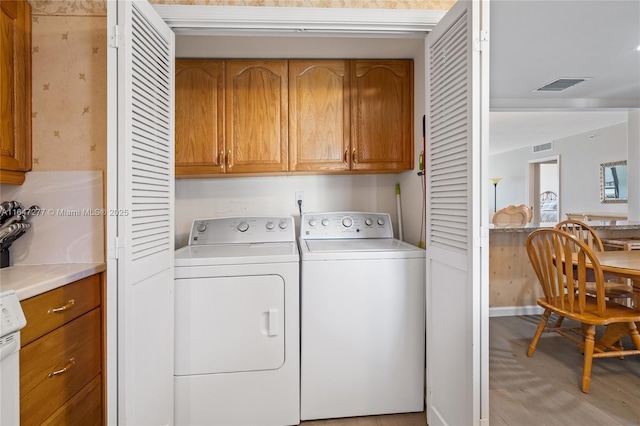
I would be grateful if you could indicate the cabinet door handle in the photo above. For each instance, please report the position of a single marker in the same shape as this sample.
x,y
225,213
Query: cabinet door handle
x,y
229,160
221,159
67,367
354,159
63,308
346,152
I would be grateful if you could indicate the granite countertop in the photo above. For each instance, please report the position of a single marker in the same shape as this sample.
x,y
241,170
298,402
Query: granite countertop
x,y
612,225
32,280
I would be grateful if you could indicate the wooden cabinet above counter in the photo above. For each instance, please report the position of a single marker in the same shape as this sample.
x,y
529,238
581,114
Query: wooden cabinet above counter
x,y
251,117
15,91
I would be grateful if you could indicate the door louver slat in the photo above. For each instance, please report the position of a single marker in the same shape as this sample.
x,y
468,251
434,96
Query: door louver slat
x,y
151,143
448,158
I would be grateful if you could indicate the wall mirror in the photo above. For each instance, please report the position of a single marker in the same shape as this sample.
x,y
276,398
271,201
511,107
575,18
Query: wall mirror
x,y
613,182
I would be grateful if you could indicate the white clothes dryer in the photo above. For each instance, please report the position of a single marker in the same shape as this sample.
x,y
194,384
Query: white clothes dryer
x,y
237,359
362,317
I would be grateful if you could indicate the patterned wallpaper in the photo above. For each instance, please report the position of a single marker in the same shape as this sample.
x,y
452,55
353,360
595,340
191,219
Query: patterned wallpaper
x,y
69,104
98,7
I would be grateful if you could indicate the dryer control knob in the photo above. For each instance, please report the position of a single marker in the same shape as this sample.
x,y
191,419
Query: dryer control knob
x,y
325,222
347,222
270,225
380,221
368,221
283,224
202,227
313,222
243,226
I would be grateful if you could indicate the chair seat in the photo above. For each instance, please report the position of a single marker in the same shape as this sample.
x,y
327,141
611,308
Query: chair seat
x,y
615,312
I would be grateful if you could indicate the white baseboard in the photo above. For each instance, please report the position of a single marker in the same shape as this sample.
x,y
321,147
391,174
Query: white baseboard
x,y
508,311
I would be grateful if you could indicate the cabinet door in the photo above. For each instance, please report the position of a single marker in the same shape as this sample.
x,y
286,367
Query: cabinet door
x,y
256,116
382,115
199,117
319,115
15,91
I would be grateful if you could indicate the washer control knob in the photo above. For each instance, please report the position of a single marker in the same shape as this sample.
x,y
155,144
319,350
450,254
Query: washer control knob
x,y
283,224
368,221
202,227
325,222
380,221
313,222
347,222
270,225
243,226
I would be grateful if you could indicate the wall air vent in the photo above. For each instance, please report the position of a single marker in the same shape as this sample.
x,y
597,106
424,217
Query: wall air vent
x,y
543,147
561,84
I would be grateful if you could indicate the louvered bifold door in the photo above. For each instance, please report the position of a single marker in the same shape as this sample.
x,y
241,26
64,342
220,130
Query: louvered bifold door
x,y
145,215
452,165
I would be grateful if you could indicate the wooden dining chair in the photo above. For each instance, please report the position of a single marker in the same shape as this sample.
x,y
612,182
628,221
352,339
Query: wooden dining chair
x,y
614,287
563,282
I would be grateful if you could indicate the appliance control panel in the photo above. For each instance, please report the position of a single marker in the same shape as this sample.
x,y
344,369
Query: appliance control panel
x,y
249,229
12,316
338,225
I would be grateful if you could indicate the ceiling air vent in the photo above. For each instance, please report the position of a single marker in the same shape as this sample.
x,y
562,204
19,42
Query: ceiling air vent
x,y
543,147
561,84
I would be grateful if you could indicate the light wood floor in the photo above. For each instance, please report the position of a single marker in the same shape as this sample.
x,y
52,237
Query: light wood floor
x,y
545,389
541,390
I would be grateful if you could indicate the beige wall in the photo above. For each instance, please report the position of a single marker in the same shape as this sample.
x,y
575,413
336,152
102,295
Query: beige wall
x,y
69,112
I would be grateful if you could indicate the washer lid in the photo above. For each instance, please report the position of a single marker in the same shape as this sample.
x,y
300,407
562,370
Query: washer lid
x,y
234,254
358,249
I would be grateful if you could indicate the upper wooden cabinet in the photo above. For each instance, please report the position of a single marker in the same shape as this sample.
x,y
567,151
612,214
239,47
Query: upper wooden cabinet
x,y
382,115
15,91
199,117
300,115
256,116
319,109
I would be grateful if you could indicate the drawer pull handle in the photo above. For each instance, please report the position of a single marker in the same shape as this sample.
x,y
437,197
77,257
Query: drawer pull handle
x,y
69,305
72,361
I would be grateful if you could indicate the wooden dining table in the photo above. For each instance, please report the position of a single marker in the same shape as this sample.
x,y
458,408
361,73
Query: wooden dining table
x,y
626,264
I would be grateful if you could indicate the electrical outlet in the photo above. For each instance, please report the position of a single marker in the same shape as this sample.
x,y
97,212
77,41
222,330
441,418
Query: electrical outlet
x,y
300,197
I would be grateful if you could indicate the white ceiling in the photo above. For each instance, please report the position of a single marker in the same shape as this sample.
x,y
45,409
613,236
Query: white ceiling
x,y
536,42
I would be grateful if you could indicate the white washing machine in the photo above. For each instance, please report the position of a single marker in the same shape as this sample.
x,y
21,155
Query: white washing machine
x,y
362,317
237,333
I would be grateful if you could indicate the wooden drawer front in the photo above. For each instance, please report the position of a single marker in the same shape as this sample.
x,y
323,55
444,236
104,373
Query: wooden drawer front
x,y
85,294
41,395
85,408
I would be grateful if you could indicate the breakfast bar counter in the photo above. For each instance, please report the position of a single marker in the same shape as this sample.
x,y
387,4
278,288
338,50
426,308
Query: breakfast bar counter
x,y
513,286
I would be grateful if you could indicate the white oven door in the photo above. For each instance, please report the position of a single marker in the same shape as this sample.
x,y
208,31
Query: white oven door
x,y
10,379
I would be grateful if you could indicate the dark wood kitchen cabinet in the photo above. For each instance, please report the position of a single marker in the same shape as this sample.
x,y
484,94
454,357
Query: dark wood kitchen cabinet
x,y
61,356
15,91
381,115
